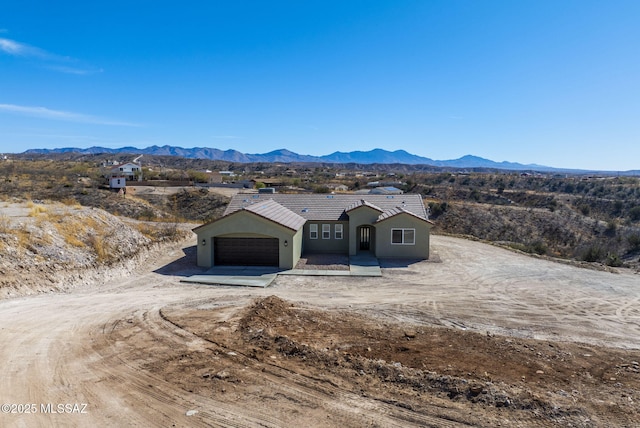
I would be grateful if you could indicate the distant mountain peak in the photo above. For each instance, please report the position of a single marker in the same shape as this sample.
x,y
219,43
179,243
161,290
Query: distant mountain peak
x,y
377,155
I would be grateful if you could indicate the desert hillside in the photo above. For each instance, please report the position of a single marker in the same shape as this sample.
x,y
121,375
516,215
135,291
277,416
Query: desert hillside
x,y
49,246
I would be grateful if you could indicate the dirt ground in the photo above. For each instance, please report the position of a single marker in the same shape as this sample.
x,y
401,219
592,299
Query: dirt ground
x,y
146,190
478,336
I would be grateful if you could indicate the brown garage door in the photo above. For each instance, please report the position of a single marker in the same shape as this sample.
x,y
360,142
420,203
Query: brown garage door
x,y
246,251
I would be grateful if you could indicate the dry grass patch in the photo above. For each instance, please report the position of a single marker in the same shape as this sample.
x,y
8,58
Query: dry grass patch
x,y
35,209
99,247
5,224
71,202
71,229
159,231
84,232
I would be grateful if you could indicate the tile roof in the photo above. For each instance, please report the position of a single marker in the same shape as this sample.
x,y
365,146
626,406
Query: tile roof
x,y
318,207
275,212
362,203
397,211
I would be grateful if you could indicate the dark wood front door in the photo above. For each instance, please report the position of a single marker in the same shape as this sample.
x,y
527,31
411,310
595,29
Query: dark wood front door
x,y
365,238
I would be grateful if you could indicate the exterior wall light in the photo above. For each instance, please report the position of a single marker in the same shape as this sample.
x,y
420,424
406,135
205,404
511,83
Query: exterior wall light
x,y
204,242
286,243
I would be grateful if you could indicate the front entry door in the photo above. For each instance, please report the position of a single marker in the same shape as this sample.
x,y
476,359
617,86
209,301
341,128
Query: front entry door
x,y
365,238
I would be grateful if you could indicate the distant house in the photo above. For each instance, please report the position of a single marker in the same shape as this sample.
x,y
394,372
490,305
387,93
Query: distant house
x,y
120,173
338,187
117,182
276,229
387,190
129,170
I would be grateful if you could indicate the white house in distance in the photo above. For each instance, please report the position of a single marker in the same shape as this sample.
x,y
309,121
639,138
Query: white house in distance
x,y
117,182
119,174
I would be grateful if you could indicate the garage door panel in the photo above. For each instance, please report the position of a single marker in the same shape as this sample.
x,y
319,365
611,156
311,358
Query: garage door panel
x,y
246,251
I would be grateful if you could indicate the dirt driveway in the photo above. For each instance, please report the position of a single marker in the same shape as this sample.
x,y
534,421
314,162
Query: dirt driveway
x,y
148,350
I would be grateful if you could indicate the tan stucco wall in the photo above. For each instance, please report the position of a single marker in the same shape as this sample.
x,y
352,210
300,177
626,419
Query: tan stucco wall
x,y
383,245
243,224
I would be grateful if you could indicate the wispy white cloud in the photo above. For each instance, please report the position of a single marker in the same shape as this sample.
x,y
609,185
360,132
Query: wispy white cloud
x,y
14,48
74,70
45,113
62,64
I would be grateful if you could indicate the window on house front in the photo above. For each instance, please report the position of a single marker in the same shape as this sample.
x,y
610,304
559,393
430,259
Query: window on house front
x,y
403,236
313,231
326,231
338,231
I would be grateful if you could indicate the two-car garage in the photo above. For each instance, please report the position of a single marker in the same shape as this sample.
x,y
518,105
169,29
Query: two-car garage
x,y
246,251
261,234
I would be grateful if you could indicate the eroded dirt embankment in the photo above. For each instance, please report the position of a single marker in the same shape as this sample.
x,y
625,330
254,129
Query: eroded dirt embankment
x,y
53,247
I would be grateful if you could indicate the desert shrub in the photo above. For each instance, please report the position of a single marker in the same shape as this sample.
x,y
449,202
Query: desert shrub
x,y
321,189
148,214
99,247
617,207
593,253
613,260
569,188
634,214
634,241
585,209
611,229
538,247
437,209
198,176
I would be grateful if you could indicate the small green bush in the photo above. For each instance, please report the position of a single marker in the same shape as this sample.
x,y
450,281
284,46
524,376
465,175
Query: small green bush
x,y
593,254
437,209
634,214
634,241
613,260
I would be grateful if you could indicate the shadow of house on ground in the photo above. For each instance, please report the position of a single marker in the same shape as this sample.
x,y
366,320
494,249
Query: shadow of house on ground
x,y
184,266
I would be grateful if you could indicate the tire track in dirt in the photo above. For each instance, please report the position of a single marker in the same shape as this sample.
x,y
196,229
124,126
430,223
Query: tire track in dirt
x,y
309,391
160,397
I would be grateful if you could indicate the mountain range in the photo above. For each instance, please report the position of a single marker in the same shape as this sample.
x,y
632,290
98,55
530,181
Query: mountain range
x,y
375,156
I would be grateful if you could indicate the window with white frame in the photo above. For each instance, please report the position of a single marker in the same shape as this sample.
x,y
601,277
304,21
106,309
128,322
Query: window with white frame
x,y
326,231
403,236
313,231
338,231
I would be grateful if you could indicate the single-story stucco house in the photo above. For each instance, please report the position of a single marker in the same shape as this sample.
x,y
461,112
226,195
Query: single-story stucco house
x,y
276,229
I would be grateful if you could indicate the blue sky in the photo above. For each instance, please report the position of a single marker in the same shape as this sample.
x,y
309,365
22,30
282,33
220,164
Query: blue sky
x,y
553,82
